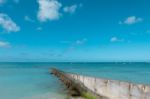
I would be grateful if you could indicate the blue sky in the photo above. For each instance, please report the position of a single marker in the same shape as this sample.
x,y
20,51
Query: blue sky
x,y
74,30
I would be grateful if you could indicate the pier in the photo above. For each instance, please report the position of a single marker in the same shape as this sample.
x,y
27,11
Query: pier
x,y
102,88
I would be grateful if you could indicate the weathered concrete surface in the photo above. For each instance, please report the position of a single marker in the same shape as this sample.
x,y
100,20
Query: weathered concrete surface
x,y
75,87
113,89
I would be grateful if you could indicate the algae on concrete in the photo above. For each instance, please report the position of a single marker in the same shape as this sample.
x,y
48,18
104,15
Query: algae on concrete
x,y
88,95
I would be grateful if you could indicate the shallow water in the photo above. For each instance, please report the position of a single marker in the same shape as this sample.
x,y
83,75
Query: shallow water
x,y
33,80
25,81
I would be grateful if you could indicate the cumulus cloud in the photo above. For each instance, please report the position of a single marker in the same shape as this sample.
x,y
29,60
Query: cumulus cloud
x,y
4,44
131,20
27,18
71,9
8,24
49,10
116,39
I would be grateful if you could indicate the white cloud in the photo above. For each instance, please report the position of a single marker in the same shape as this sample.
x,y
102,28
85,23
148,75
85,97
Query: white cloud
x,y
27,18
4,44
49,10
8,24
131,20
116,39
70,9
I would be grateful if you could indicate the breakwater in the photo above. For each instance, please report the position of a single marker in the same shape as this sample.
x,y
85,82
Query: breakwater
x,y
74,88
110,89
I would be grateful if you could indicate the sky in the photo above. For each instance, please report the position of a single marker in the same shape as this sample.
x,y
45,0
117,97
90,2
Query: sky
x,y
74,30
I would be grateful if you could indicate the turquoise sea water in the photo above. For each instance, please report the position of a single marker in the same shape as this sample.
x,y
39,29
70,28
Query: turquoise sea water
x,y
33,80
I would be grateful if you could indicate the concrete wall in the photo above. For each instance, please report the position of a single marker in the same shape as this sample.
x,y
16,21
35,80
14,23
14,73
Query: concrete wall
x,y
113,89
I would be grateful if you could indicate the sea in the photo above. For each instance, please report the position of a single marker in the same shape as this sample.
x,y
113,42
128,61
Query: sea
x,y
32,80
